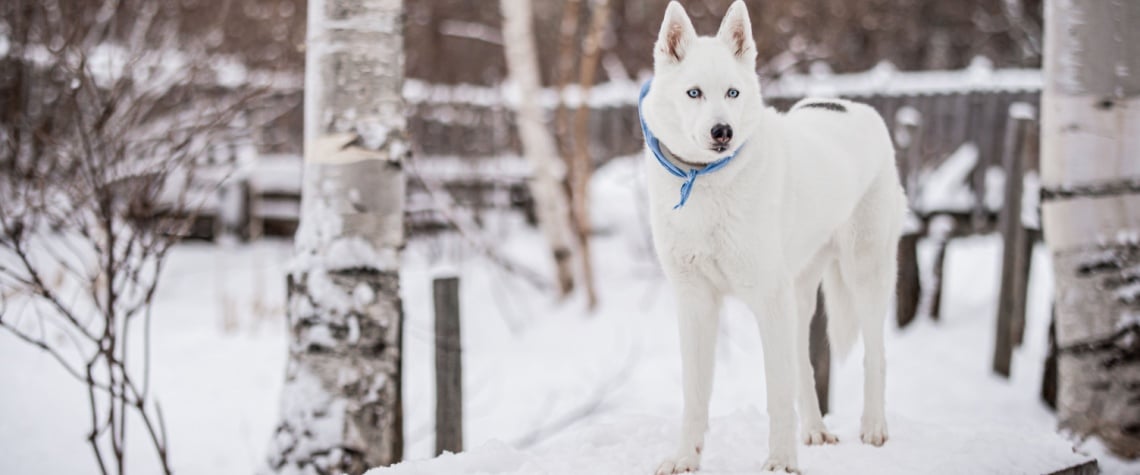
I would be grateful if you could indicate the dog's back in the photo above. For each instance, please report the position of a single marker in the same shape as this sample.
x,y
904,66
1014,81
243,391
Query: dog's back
x,y
836,152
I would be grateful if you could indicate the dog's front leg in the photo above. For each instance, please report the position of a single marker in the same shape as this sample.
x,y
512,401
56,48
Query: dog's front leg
x,y
775,312
697,317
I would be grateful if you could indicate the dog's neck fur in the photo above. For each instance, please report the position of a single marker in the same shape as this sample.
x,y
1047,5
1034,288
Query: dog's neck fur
x,y
677,160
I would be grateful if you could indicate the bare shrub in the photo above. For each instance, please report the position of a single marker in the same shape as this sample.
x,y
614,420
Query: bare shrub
x,y
107,114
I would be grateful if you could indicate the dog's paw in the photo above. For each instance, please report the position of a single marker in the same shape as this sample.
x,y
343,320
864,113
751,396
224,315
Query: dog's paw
x,y
675,465
781,464
819,437
874,432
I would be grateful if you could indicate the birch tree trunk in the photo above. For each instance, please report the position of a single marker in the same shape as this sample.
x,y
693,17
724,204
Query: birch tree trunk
x,y
341,408
546,184
1091,210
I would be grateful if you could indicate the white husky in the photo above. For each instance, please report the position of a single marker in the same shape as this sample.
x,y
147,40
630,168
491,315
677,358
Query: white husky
x,y
790,200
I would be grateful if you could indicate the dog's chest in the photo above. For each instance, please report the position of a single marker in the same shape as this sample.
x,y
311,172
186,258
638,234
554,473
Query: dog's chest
x,y
714,235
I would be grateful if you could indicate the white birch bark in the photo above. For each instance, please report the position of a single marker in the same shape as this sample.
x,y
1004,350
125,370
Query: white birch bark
x,y
546,184
1091,209
341,408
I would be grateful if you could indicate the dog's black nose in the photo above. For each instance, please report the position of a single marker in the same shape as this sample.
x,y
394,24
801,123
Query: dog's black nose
x,y
722,133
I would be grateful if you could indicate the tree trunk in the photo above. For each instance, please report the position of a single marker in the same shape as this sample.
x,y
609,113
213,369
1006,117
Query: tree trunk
x,y
341,407
1091,209
567,40
581,166
546,184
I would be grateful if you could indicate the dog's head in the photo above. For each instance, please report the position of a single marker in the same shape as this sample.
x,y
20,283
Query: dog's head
x,y
705,99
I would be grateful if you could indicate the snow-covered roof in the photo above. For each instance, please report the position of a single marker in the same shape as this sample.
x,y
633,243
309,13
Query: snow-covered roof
x,y
885,79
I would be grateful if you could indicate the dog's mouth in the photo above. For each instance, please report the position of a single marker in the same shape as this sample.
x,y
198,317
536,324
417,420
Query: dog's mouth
x,y
719,148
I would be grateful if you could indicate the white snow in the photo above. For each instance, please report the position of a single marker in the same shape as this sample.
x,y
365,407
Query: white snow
x,y
882,79
277,173
736,443
885,79
947,187
1022,110
995,188
471,30
548,388
1031,200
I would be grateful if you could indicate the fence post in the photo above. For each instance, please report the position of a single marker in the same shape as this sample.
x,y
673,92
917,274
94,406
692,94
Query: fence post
x,y
908,135
1049,377
820,352
1014,271
448,367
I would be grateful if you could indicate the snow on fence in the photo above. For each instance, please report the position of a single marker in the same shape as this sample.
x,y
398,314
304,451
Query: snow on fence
x,y
466,141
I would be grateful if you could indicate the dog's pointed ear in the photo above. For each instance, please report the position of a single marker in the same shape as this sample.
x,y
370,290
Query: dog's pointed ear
x,y
736,32
677,33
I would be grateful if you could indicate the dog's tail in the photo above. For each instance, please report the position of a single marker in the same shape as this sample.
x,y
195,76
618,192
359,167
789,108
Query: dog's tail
x,y
859,282
842,322
841,294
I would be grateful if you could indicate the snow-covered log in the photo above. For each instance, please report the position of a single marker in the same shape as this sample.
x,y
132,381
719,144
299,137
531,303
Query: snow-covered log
x,y
1090,172
340,408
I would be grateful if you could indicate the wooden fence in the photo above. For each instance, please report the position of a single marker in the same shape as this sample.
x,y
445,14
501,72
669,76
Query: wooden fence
x,y
929,129
478,134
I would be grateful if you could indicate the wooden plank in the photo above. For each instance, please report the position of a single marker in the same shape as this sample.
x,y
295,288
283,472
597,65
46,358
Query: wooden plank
x,y
961,118
1049,378
820,351
1024,242
908,288
976,133
1011,303
939,231
889,105
1088,468
944,107
448,367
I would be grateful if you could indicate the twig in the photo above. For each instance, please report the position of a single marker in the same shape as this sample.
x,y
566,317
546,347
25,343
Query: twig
x,y
470,235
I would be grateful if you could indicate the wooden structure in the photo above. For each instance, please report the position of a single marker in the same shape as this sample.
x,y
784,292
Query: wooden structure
x,y
448,367
481,134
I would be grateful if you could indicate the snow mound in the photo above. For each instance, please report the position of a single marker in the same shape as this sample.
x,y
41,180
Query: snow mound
x,y
737,443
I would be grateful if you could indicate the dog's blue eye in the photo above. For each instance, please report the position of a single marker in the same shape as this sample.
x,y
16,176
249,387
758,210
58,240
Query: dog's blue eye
x,y
732,93
694,93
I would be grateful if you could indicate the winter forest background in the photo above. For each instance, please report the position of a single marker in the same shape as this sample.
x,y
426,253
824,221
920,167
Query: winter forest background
x,y
470,268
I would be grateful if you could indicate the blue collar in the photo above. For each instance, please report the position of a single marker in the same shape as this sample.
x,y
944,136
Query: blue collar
x,y
655,147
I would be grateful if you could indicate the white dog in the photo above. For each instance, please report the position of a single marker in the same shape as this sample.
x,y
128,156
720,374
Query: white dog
x,y
770,205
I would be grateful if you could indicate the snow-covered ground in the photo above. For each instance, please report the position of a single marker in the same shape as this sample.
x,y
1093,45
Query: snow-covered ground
x,y
548,387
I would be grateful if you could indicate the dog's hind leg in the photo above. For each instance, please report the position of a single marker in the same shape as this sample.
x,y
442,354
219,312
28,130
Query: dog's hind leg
x,y
870,273
872,297
859,286
697,317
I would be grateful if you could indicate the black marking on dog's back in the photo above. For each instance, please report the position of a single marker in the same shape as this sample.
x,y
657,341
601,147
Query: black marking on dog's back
x,y
831,106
